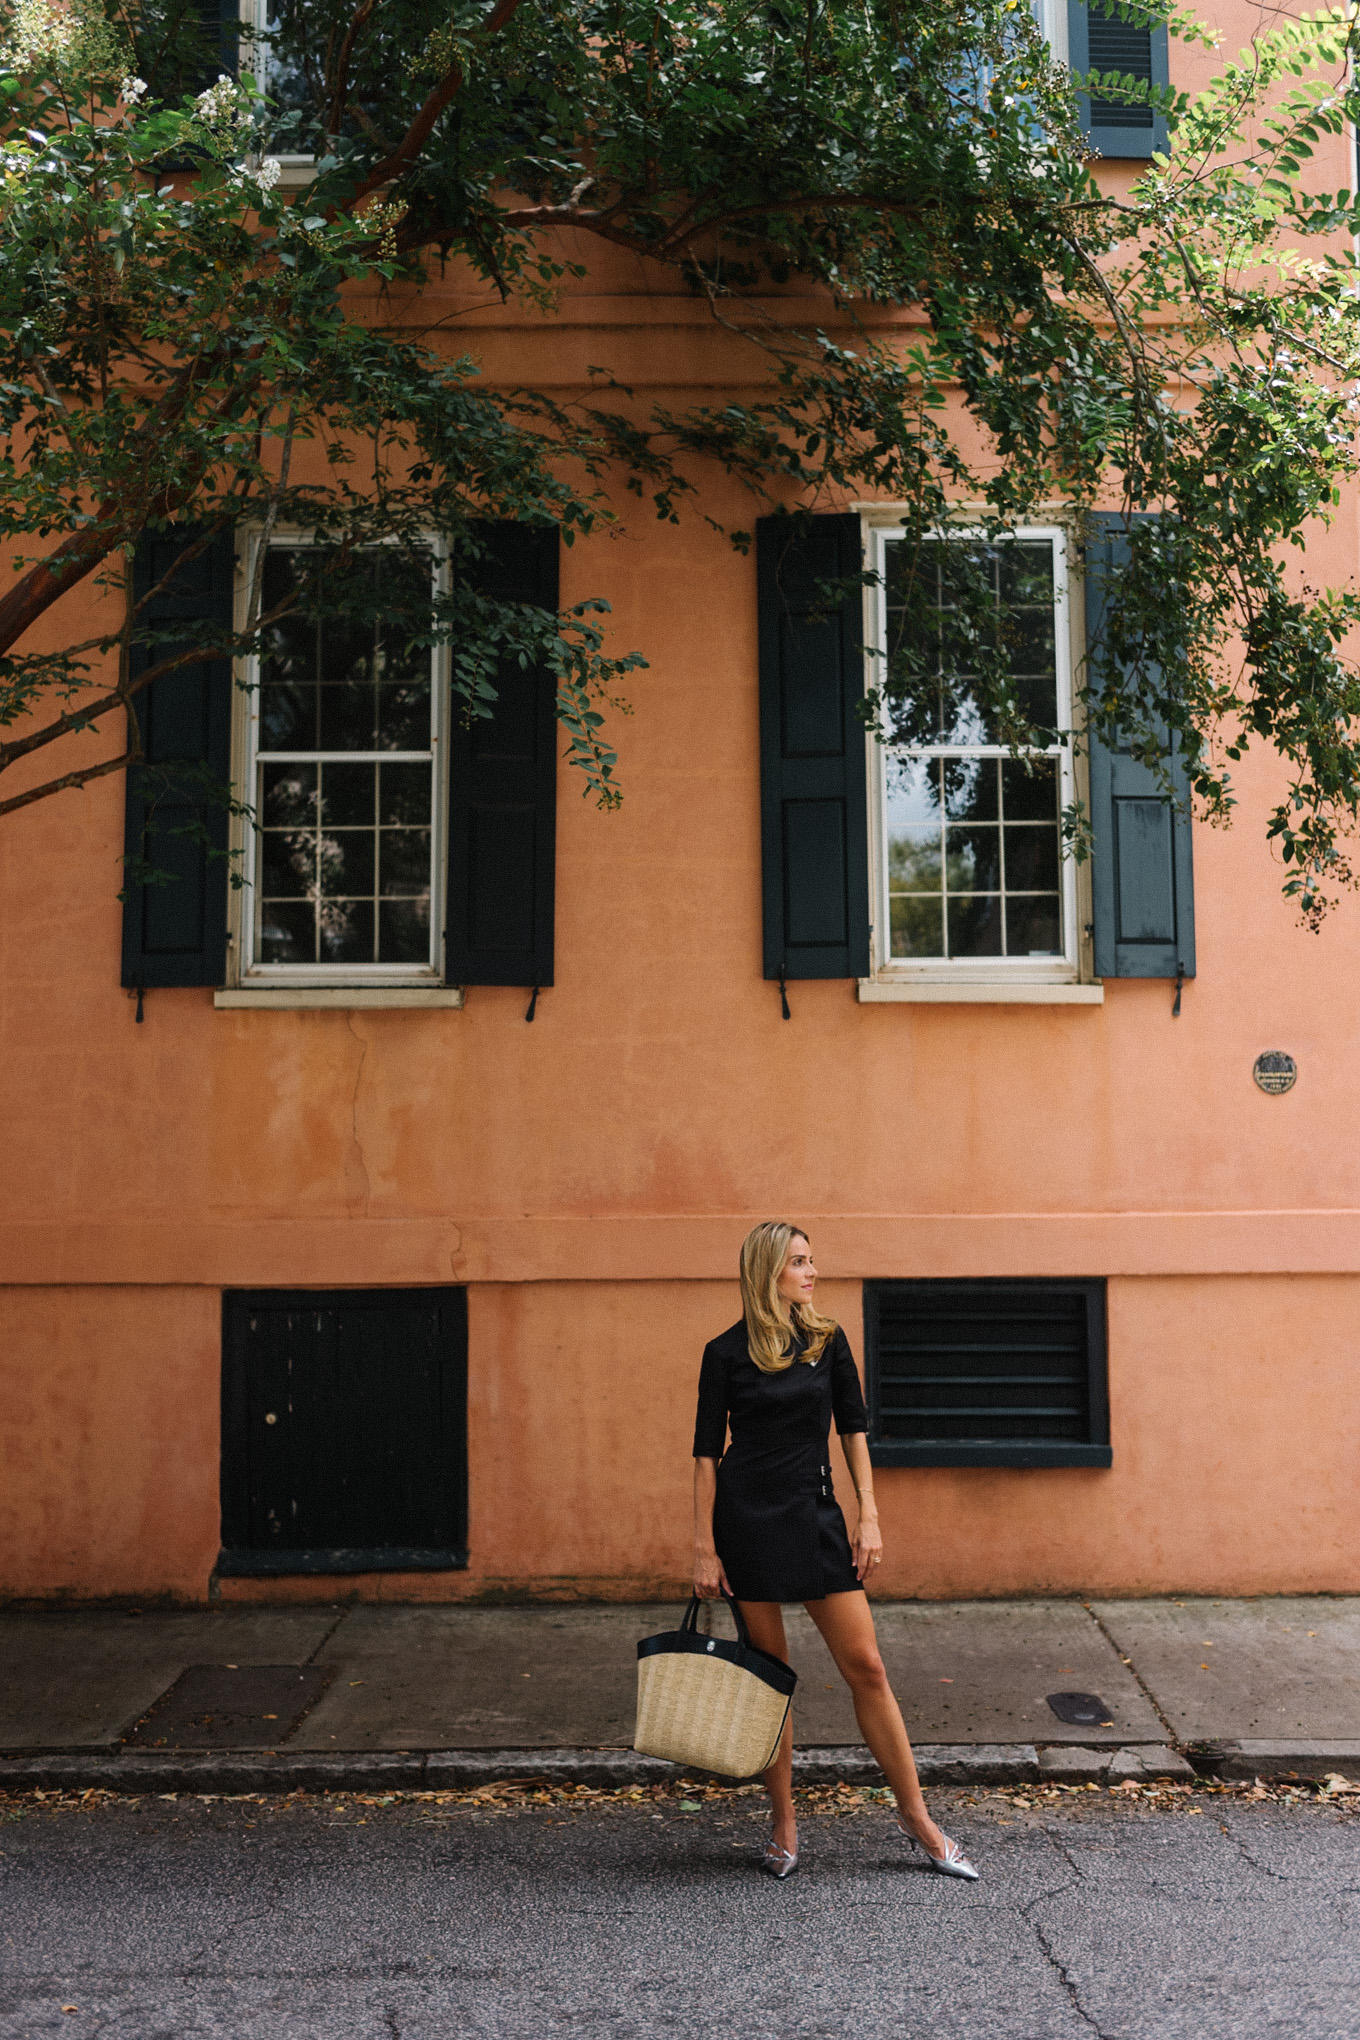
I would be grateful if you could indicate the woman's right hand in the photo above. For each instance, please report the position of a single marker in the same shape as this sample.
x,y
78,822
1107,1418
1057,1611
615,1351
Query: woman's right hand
x,y
709,1578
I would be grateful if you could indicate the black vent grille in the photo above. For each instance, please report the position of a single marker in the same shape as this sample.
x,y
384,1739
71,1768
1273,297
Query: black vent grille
x,y
988,1372
1116,45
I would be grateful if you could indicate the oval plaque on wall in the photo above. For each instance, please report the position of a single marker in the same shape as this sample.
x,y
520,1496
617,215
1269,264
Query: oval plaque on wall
x,y
1275,1071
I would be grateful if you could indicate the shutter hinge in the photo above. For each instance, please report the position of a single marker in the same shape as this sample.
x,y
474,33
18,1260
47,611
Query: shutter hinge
x,y
783,996
533,1003
1180,980
141,989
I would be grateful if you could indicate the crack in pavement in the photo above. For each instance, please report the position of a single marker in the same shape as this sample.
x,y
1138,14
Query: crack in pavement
x,y
341,1617
1262,1869
1137,1676
1068,1982
1055,1841
1059,1967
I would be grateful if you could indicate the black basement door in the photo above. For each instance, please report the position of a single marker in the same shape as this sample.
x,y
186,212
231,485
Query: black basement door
x,y
344,1430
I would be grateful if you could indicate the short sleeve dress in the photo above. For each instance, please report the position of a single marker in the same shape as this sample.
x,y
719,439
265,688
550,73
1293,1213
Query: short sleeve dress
x,y
776,1522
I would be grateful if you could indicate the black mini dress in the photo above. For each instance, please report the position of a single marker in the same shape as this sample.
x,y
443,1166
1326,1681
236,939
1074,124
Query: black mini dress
x,y
776,1522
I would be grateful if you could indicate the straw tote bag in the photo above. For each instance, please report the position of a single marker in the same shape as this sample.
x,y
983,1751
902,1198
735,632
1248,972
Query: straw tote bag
x,y
704,1701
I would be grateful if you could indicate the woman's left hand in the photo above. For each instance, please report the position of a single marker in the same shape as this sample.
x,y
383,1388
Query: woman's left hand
x,y
868,1545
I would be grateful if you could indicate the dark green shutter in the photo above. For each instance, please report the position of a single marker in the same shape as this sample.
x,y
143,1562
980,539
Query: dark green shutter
x,y
176,933
503,795
813,806
1102,42
222,36
1142,876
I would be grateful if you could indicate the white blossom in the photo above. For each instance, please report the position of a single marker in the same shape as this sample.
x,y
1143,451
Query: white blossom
x,y
268,174
132,89
36,29
218,103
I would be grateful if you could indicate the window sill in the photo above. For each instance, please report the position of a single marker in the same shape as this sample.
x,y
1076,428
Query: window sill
x,y
335,998
296,172
976,992
273,1565
1019,1455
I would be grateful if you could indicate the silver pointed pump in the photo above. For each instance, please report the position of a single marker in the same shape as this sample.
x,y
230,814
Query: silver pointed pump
x,y
953,1863
779,1862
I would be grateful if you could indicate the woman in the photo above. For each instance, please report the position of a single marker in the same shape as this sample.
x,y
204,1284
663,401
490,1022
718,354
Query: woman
x,y
767,1527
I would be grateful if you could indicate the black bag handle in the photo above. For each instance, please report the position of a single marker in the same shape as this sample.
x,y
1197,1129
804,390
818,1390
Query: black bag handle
x,y
690,1624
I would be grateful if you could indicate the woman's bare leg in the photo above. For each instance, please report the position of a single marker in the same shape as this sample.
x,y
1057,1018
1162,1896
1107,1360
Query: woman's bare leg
x,y
847,1626
765,1622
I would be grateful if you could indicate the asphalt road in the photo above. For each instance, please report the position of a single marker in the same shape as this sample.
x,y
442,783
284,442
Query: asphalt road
x,y
322,1921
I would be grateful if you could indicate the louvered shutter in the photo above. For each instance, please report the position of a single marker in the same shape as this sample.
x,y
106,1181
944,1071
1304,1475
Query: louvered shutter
x,y
221,40
814,819
503,795
1103,42
1142,876
175,932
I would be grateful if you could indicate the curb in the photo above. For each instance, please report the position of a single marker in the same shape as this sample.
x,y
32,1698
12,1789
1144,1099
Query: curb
x,y
228,1771
1303,1761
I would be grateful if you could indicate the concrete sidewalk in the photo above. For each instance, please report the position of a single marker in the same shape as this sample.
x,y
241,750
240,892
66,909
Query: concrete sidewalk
x,y
416,1695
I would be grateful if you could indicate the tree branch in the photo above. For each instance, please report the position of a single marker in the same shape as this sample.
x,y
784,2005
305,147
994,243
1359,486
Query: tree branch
x,y
116,518
340,91
421,128
72,721
68,779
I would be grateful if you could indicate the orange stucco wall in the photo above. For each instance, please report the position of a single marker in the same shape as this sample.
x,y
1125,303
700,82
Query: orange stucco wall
x,y
590,1176
1235,1435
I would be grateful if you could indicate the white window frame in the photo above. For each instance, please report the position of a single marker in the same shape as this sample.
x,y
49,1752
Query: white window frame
x,y
1051,16
255,978
296,171
1062,978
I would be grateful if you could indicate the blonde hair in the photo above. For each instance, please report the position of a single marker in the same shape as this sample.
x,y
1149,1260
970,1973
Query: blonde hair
x,y
772,1322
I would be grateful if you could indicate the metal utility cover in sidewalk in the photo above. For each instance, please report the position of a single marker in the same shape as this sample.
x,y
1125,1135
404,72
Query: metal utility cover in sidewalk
x,y
230,1707
1081,1710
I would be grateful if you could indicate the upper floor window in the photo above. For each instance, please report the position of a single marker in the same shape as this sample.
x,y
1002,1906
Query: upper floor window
x,y
343,762
283,80
970,868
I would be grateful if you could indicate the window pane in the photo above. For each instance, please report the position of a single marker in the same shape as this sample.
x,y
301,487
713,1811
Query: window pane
x,y
975,924
917,925
347,931
404,861
346,862
1034,926
970,789
914,861
288,932
912,589
347,651
288,865
404,716
348,718
1031,858
288,716
404,926
1025,571
973,860
1030,792
288,795
1030,641
349,794
913,791
963,722
404,793
914,847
